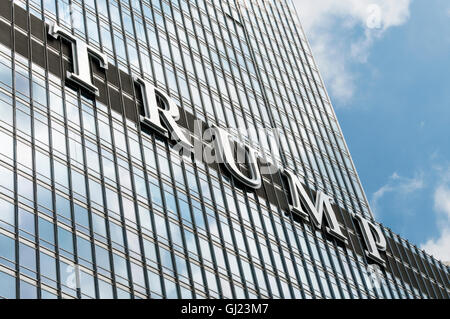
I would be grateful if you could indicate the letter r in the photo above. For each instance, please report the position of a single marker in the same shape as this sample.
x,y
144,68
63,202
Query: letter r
x,y
154,114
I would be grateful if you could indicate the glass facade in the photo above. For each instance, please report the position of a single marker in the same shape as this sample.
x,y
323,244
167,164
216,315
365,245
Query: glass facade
x,y
94,205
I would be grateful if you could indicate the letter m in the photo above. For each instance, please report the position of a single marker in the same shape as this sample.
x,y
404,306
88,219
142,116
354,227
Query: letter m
x,y
303,206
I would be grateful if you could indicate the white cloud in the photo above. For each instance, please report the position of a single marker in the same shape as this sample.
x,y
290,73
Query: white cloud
x,y
439,246
331,27
399,185
372,13
442,200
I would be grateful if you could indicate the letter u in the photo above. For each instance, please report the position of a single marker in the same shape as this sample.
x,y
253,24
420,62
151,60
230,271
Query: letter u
x,y
225,155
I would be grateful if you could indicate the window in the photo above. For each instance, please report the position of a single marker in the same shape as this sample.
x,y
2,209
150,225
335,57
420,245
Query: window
x,y
8,286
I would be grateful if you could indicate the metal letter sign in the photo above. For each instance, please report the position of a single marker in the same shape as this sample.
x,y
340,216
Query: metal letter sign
x,y
374,239
164,121
80,54
154,114
316,212
226,156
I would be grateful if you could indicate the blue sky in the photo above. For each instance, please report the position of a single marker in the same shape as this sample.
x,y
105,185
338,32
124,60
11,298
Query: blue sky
x,y
386,64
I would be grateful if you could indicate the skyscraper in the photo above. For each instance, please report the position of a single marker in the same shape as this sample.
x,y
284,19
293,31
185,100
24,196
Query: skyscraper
x,y
181,149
